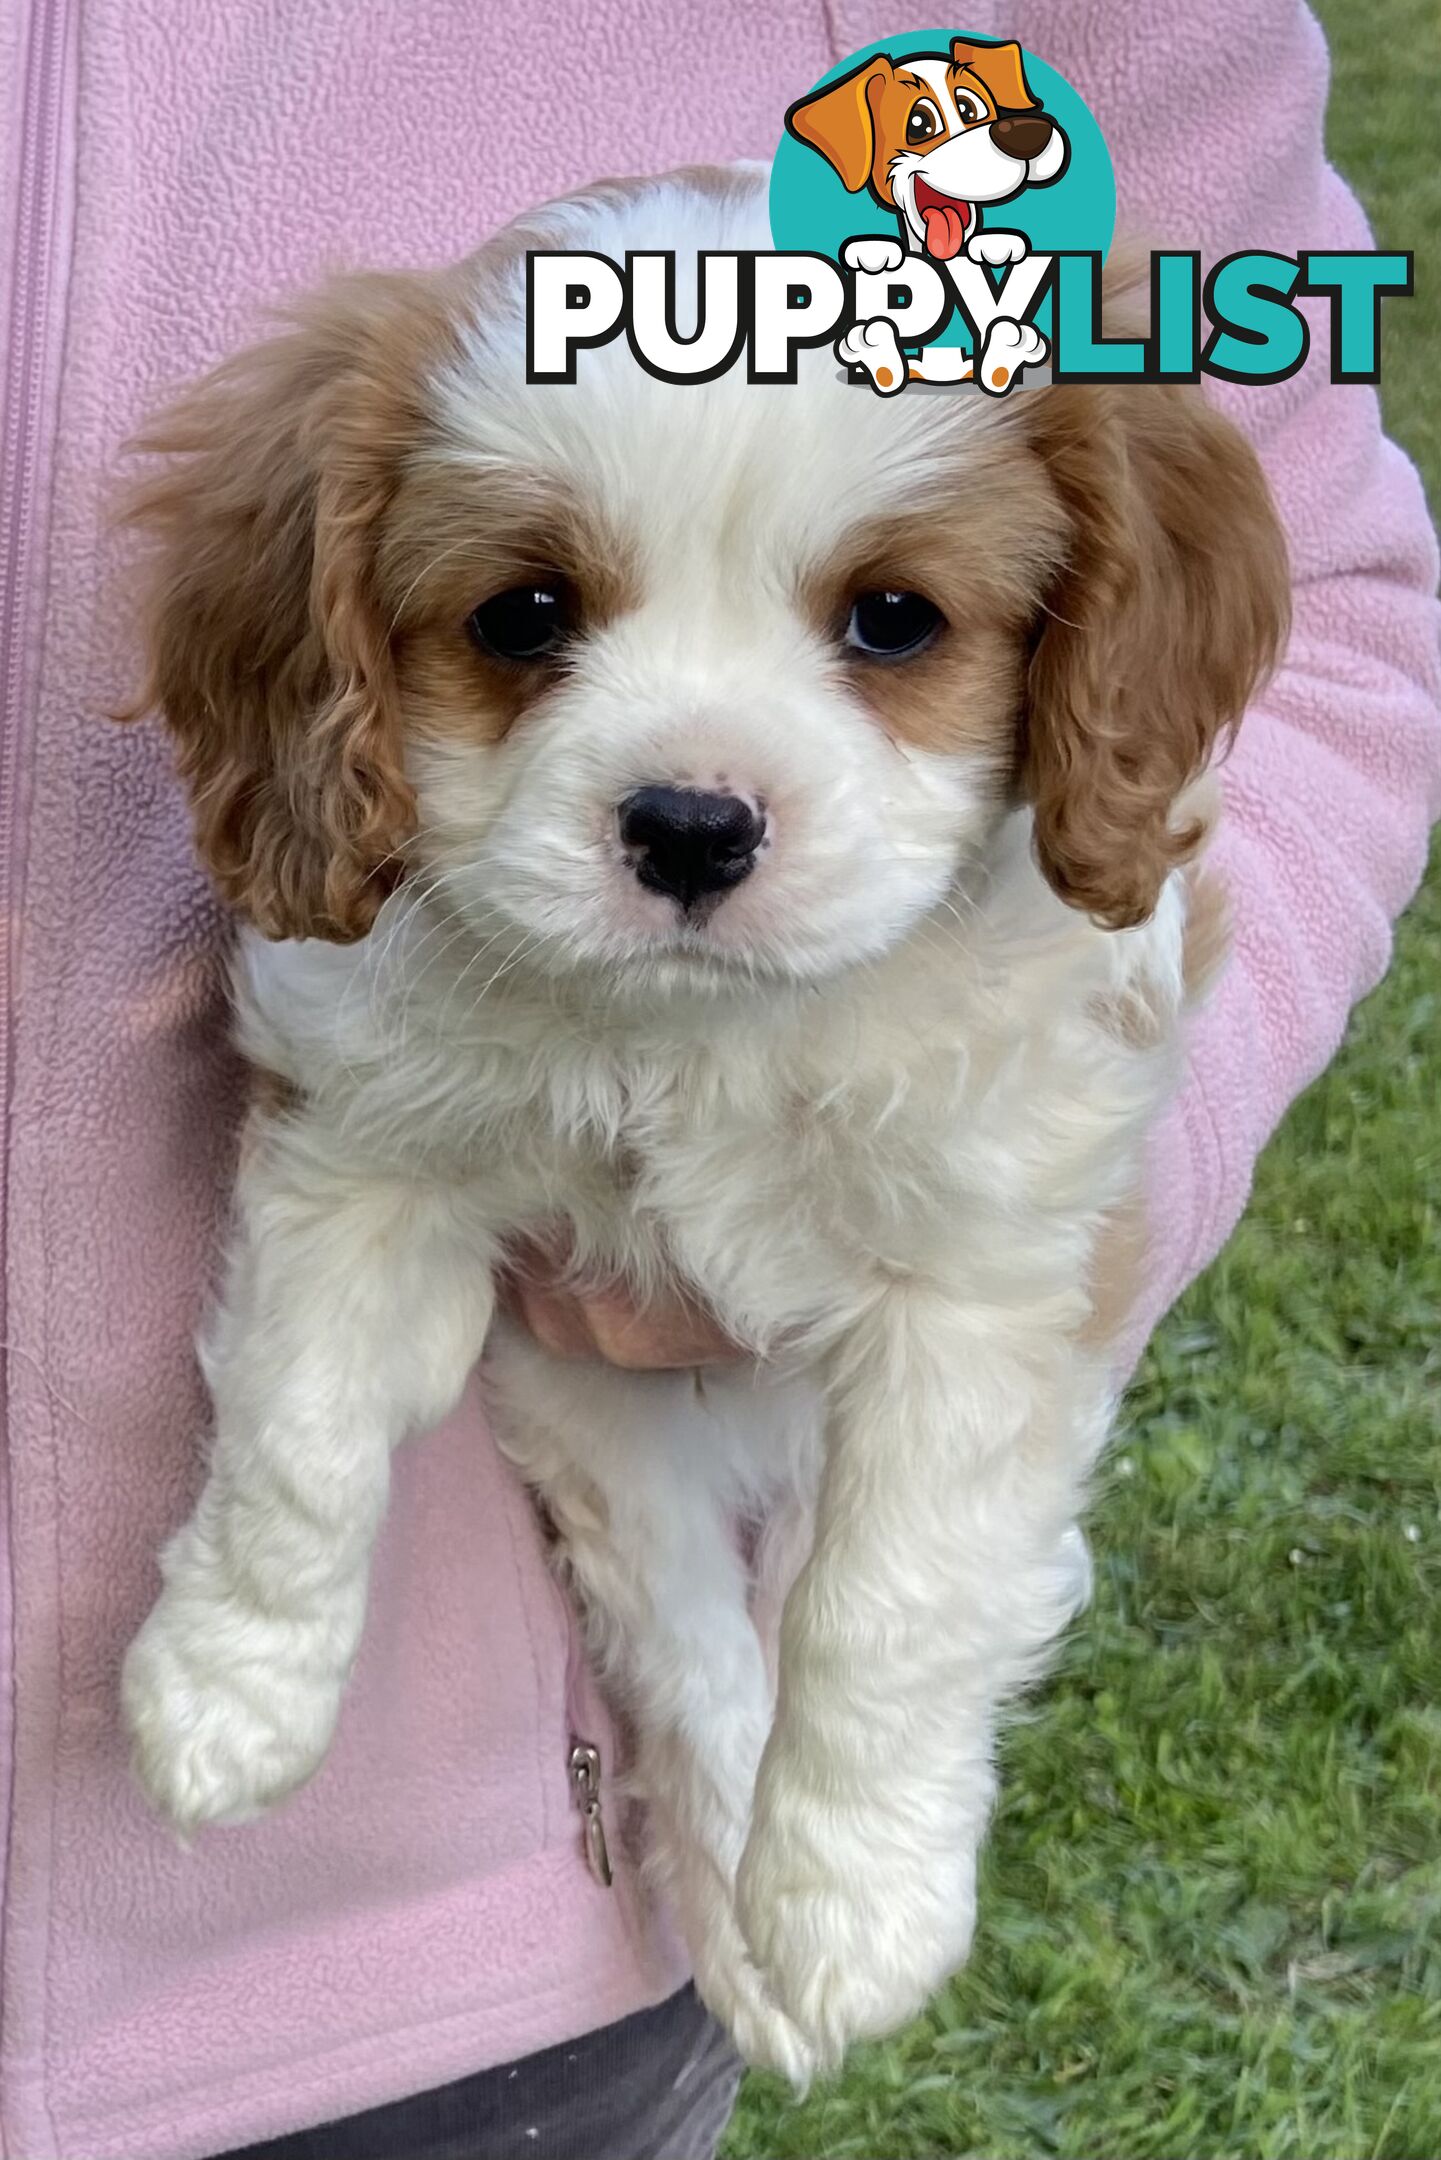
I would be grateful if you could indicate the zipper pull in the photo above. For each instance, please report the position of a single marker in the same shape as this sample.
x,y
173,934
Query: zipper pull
x,y
585,1786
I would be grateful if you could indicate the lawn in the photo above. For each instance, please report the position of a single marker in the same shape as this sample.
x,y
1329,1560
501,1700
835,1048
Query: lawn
x,y
1211,1916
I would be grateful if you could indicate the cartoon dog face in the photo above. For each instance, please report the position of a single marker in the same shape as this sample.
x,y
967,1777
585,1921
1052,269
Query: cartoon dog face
x,y
935,137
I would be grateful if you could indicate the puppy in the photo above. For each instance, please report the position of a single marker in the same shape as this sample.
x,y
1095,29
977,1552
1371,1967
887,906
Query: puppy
x,y
936,138
776,879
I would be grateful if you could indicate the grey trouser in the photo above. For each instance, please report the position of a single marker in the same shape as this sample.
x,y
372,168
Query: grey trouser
x,y
657,2086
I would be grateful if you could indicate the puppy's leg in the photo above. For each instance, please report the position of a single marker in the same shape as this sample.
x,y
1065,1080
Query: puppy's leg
x,y
354,1306
945,1560
640,1474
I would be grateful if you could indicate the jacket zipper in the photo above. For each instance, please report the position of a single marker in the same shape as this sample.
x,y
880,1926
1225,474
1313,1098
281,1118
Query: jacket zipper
x,y
583,1762
585,1785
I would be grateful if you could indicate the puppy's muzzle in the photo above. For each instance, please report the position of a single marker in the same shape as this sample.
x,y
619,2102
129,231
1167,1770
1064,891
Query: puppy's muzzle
x,y
1021,135
688,842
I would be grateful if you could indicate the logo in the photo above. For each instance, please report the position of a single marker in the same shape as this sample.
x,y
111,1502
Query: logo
x,y
985,161
942,206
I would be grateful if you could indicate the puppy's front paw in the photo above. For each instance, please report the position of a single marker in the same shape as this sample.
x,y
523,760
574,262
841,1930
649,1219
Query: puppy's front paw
x,y
698,1879
736,1992
852,1926
221,1728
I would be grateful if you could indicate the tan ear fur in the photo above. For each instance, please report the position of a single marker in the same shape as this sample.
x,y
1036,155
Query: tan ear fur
x,y
1171,606
839,121
268,651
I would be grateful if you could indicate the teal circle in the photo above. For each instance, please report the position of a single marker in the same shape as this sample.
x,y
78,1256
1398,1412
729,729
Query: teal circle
x,y
811,211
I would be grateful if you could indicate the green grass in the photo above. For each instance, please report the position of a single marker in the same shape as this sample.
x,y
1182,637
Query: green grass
x,y
1211,1912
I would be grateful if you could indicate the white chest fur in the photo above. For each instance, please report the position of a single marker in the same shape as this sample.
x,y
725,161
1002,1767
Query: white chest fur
x,y
781,1146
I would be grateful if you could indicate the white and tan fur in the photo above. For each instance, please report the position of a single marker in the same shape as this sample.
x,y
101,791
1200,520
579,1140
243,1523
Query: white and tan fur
x,y
876,1109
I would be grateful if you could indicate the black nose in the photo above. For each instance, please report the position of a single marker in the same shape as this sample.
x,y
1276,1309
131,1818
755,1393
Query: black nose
x,y
1021,135
690,842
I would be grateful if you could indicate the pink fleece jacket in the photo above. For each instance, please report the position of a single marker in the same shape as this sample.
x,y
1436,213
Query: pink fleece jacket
x,y
423,1909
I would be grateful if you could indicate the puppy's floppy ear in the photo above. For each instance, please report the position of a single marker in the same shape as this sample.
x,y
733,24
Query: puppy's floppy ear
x,y
267,643
1171,604
1001,70
839,121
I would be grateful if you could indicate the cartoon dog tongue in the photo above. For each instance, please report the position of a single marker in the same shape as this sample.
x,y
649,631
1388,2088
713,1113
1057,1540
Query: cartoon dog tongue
x,y
945,230
945,222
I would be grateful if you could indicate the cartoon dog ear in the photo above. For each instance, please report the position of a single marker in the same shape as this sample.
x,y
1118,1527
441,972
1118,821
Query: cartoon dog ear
x,y
999,68
839,121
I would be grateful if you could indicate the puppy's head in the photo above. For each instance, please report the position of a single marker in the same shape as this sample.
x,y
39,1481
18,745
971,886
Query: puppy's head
x,y
935,136
682,683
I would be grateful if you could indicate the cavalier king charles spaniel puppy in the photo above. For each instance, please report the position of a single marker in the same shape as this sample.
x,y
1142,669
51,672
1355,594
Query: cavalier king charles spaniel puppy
x,y
750,829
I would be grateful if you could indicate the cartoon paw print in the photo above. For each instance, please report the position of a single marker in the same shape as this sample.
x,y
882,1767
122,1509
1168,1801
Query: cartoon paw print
x,y
1009,347
875,347
873,254
998,249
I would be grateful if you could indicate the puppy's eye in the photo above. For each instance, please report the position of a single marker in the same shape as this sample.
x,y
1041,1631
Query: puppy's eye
x,y
969,108
526,622
922,122
890,625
